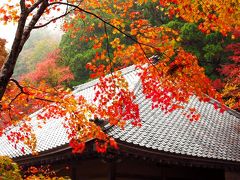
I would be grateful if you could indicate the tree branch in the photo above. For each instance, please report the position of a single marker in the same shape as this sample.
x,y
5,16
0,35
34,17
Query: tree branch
x,y
8,67
33,22
34,6
104,21
107,47
23,92
23,5
115,27
52,20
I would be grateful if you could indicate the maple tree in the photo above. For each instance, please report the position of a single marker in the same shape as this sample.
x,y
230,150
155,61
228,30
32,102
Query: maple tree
x,y
231,71
214,15
49,71
208,48
36,48
76,49
212,51
169,81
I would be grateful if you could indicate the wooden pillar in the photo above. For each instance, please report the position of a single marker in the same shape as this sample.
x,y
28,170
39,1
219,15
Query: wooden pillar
x,y
74,172
112,171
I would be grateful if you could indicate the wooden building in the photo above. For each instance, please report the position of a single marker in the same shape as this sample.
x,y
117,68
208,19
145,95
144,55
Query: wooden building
x,y
167,146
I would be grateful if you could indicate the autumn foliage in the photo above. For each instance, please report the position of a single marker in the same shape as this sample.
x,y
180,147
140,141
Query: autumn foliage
x,y
231,71
217,15
129,38
9,169
3,52
50,71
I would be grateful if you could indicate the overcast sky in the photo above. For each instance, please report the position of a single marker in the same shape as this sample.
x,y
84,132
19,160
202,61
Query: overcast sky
x,y
8,31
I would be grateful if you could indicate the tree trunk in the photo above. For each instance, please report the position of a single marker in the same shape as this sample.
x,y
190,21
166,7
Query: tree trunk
x,y
21,36
9,64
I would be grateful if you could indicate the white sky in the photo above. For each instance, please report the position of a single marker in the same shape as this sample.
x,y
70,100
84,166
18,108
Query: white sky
x,y
8,31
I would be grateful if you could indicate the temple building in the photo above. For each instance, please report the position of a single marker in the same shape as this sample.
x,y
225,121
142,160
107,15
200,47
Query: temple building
x,y
166,147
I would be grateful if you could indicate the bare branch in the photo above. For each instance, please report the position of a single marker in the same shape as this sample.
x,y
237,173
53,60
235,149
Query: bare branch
x,y
52,20
18,85
104,21
59,17
107,47
34,6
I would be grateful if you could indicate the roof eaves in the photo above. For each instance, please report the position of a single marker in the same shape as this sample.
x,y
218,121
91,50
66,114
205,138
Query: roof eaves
x,y
171,157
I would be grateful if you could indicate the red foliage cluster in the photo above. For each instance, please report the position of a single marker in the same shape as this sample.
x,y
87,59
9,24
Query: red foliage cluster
x,y
78,147
116,102
231,71
171,83
49,71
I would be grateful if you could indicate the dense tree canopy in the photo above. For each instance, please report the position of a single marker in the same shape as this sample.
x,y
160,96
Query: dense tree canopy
x,y
49,71
77,50
36,48
183,34
231,71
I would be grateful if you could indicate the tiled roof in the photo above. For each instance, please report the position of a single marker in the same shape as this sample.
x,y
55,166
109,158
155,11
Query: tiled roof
x,y
53,134
216,135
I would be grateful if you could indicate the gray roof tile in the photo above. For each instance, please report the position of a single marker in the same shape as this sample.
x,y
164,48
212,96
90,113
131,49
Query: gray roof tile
x,y
215,135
